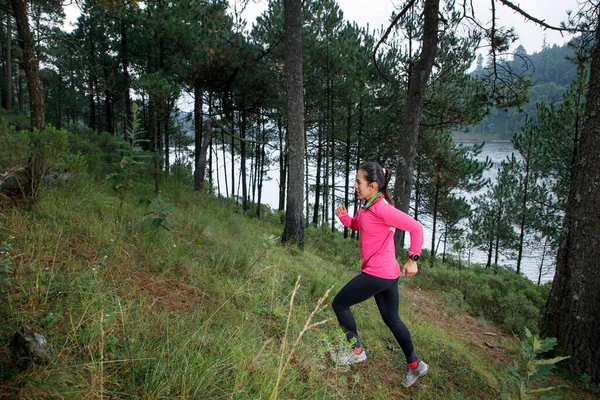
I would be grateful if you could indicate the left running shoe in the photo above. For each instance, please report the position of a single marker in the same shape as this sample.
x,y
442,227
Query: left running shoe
x,y
346,356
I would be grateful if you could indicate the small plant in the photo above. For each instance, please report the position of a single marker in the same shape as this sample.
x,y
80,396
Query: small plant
x,y
535,369
131,160
159,217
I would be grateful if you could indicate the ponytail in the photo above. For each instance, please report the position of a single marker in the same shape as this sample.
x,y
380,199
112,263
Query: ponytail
x,y
387,175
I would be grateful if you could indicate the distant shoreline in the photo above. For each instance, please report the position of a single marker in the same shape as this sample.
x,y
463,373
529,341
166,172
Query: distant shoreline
x,y
481,140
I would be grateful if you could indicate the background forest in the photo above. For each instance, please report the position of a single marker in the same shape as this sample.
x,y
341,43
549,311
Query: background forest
x,y
103,113
197,57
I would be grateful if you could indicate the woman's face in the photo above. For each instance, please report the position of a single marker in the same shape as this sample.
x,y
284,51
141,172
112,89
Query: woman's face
x,y
364,189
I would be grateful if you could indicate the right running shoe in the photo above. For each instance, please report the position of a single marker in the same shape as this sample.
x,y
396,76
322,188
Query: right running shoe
x,y
347,356
414,374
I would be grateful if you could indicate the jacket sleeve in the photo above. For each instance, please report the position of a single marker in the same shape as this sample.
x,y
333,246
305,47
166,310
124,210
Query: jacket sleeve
x,y
348,221
398,219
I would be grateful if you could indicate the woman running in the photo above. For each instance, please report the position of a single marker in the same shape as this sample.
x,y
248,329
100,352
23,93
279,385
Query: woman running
x,y
376,221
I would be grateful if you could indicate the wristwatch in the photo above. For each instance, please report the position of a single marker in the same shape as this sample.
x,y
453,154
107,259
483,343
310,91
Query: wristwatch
x,y
414,257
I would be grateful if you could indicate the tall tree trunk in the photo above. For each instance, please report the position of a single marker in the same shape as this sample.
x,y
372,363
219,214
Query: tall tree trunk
x,y
30,64
282,165
254,158
93,86
155,128
59,105
306,177
126,78
243,161
294,220
541,269
498,223
224,161
326,178
524,202
262,168
572,314
347,163
420,72
436,199
198,179
8,62
169,104
332,147
206,138
20,92
92,106
108,101
233,155
36,164
417,191
488,264
315,218
210,146
361,115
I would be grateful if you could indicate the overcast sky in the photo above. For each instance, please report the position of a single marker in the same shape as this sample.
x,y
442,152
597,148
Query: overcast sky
x,y
377,13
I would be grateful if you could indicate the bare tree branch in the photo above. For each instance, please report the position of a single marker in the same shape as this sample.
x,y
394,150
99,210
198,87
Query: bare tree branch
x,y
540,22
388,31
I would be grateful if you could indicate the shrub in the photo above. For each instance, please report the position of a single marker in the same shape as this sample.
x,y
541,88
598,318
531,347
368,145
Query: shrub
x,y
504,297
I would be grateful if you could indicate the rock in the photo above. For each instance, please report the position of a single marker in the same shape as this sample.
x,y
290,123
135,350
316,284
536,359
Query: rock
x,y
29,346
13,182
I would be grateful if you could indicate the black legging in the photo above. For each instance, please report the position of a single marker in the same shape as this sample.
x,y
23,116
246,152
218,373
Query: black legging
x,y
359,289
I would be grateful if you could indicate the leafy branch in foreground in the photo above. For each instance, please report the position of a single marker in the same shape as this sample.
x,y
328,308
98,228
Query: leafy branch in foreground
x,y
535,369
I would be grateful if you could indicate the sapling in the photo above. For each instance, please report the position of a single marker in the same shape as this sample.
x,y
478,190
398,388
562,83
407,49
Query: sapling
x,y
535,369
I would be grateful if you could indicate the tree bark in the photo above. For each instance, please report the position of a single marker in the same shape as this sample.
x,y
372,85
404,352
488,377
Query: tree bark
x,y
126,78
107,99
93,86
282,165
332,173
233,156
244,179
30,64
347,164
315,218
206,138
261,173
224,162
420,72
294,219
571,313
8,62
434,217
198,179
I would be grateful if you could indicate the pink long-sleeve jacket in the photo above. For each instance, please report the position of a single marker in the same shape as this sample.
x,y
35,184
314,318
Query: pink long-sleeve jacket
x,y
377,225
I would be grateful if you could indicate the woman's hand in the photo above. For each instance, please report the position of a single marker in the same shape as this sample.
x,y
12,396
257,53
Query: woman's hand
x,y
341,210
410,268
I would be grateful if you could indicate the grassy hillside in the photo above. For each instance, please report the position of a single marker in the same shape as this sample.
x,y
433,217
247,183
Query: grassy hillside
x,y
204,308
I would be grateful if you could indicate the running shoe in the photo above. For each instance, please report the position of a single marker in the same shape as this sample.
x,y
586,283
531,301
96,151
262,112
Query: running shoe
x,y
347,356
414,374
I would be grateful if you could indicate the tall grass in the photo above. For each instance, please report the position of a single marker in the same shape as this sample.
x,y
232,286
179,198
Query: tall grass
x,y
202,310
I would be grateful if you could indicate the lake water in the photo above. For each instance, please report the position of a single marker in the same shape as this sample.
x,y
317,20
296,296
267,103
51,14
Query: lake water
x,y
533,257
496,151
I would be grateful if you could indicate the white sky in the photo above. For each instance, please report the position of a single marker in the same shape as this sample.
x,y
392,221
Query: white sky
x,y
377,13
